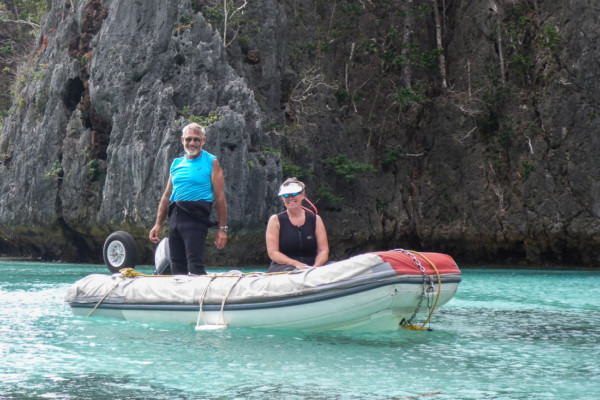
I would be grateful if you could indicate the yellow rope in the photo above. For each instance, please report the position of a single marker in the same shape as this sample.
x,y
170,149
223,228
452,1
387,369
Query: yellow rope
x,y
132,273
422,327
125,273
102,299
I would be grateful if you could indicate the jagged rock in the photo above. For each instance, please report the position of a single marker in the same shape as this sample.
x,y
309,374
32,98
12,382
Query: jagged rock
x,y
119,75
499,167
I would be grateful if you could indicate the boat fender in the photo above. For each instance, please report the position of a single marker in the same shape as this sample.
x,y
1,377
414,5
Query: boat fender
x,y
120,251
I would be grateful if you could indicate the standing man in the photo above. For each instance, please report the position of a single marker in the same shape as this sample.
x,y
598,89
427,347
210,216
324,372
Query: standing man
x,y
196,182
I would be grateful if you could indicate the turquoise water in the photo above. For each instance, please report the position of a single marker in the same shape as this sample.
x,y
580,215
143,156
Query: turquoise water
x,y
508,334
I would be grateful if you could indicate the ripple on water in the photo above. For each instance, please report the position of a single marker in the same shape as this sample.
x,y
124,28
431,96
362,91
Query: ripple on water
x,y
498,339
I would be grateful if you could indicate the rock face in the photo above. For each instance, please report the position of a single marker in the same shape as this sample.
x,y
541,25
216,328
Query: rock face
x,y
100,121
490,155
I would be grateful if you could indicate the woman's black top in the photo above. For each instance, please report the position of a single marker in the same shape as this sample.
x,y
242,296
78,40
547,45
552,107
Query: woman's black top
x,y
298,242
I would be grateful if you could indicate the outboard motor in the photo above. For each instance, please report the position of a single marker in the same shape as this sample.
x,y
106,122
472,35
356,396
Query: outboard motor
x,y
162,258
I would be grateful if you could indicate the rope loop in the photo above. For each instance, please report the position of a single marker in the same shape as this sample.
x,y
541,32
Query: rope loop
x,y
407,324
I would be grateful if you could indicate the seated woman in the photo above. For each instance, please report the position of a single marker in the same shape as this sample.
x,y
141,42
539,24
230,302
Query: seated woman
x,y
296,239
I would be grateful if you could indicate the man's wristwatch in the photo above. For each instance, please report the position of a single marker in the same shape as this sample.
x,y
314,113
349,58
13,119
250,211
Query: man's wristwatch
x,y
224,228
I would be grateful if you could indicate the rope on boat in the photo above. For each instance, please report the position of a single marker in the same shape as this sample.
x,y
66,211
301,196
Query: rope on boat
x,y
202,301
225,298
408,324
132,273
220,320
125,273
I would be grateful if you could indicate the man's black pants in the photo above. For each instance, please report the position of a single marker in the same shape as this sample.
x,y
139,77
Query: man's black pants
x,y
188,228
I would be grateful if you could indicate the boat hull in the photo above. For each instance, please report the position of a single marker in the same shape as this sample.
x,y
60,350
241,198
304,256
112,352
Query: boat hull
x,y
372,299
380,308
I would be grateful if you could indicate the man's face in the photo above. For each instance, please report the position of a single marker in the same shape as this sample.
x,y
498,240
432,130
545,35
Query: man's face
x,y
192,143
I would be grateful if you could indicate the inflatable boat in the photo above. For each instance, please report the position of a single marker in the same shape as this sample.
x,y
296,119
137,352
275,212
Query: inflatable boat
x,y
372,291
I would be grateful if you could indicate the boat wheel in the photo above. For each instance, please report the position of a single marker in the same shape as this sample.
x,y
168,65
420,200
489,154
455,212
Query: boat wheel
x,y
120,251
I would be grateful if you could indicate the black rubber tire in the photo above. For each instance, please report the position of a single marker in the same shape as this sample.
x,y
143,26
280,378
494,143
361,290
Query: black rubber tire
x,y
120,251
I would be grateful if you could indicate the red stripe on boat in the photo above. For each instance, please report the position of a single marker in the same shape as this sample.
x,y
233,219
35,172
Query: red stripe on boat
x,y
404,264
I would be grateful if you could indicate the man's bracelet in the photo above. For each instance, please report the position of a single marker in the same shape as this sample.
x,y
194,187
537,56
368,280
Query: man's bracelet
x,y
224,228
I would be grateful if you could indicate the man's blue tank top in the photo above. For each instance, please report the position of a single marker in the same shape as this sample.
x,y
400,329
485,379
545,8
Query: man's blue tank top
x,y
192,178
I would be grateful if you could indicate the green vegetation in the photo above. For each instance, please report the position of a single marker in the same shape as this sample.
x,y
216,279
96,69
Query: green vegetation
x,y
266,150
342,96
415,57
185,112
519,36
19,27
214,14
185,20
390,156
56,172
205,121
550,38
27,10
93,168
41,100
83,61
327,193
419,11
37,74
244,42
352,9
347,168
270,150
381,205
289,170
228,17
527,169
408,97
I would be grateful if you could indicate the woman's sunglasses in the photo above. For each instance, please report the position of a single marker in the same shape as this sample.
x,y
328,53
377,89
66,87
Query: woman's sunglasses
x,y
291,194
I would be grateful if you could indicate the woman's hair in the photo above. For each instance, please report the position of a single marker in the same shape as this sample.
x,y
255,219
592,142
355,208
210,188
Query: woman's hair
x,y
293,180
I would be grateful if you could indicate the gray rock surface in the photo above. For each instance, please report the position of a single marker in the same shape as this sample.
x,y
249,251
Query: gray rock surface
x,y
500,166
112,124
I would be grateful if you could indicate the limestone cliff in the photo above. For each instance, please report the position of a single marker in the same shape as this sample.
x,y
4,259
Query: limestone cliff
x,y
98,121
467,127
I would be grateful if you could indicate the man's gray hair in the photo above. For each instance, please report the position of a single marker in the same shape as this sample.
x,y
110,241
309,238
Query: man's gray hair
x,y
195,127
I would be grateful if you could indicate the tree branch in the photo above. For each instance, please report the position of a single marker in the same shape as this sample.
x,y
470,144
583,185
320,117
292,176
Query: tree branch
x,y
20,22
